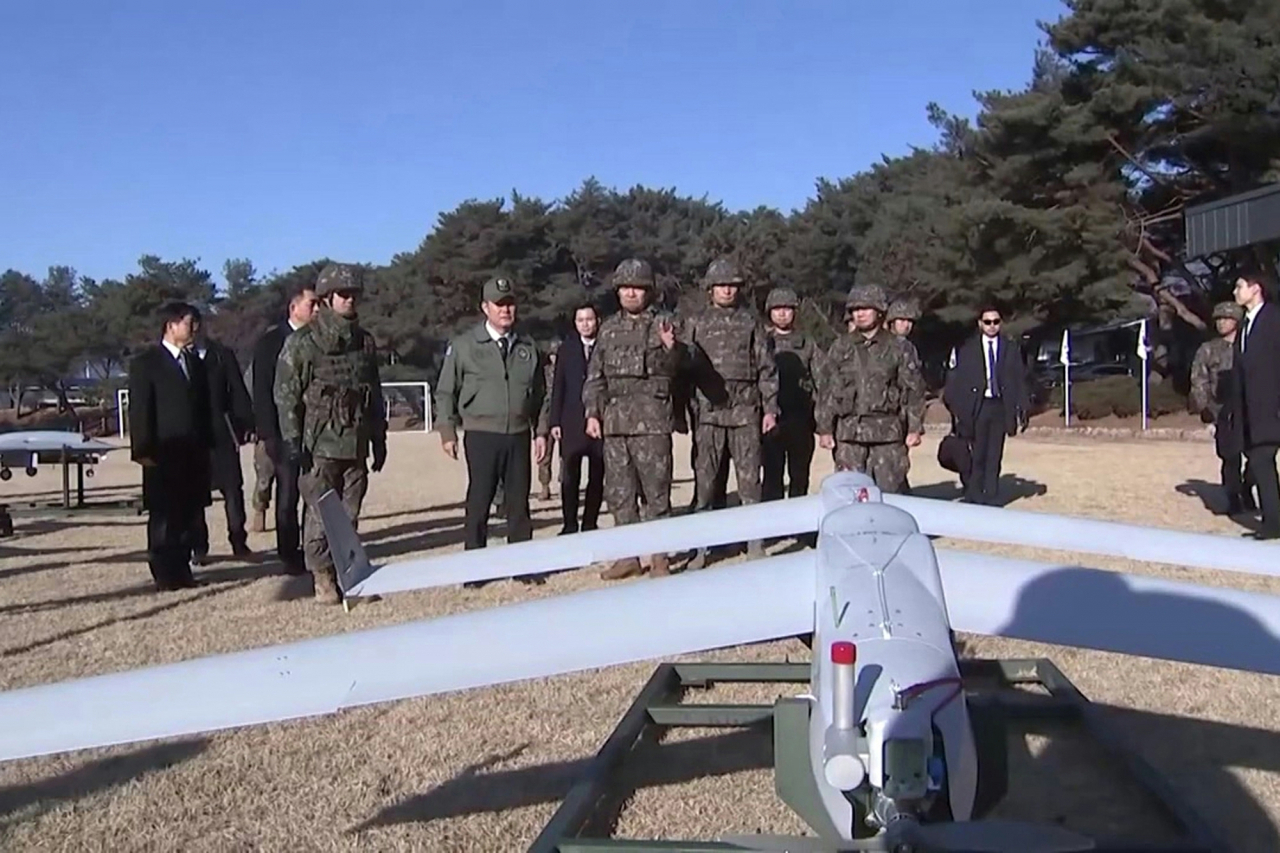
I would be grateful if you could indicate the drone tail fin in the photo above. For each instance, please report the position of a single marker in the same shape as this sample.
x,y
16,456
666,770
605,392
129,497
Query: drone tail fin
x,y
349,557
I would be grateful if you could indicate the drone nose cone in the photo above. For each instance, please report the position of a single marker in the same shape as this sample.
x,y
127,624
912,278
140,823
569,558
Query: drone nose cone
x,y
844,772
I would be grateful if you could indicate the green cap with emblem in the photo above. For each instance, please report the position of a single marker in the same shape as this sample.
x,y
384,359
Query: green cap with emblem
x,y
498,288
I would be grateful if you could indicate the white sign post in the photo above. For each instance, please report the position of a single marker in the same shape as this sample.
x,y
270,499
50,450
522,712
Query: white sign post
x,y
1064,358
1142,355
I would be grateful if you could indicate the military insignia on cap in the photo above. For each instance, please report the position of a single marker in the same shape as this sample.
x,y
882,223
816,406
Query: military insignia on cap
x,y
502,285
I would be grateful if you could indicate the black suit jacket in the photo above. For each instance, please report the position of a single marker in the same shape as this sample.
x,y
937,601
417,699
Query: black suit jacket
x,y
265,354
229,404
170,425
567,411
967,384
1255,389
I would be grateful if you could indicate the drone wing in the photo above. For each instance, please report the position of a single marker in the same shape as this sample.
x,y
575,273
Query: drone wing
x,y
359,577
763,600
1088,536
1111,611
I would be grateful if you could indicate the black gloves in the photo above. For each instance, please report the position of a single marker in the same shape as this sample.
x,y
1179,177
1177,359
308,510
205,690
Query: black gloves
x,y
296,455
379,454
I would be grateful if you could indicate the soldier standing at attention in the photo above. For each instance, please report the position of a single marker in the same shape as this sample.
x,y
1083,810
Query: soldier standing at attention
x,y
791,445
492,385
329,396
736,384
627,400
1210,371
871,395
901,320
544,467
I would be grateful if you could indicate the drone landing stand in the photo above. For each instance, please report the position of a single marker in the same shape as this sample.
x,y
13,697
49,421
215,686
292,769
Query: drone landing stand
x,y
996,702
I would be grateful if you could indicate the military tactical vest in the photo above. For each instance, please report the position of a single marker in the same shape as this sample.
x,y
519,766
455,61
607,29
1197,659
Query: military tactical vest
x,y
730,346
339,393
627,353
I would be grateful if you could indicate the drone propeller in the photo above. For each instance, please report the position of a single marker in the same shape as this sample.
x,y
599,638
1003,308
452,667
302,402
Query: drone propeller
x,y
984,836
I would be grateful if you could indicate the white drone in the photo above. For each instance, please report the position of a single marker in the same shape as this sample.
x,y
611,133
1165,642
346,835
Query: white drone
x,y
890,746
22,449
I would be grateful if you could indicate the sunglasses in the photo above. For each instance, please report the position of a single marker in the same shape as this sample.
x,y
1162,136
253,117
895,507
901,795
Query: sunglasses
x,y
346,294
991,322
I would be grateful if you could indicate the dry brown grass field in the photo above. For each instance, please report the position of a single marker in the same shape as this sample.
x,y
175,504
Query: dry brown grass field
x,y
485,769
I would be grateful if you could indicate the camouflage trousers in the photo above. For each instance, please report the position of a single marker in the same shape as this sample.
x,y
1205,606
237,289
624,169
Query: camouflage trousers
x,y
743,446
886,463
637,474
264,473
544,467
350,479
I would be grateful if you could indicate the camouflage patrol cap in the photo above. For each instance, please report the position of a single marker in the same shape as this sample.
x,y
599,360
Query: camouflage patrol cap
x,y
781,297
903,308
867,296
633,272
336,277
722,271
1228,311
497,289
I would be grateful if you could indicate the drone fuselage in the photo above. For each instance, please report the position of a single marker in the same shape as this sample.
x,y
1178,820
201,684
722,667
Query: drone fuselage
x,y
900,747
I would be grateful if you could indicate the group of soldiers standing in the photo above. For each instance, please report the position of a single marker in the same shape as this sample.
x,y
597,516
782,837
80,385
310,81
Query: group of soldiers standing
x,y
755,393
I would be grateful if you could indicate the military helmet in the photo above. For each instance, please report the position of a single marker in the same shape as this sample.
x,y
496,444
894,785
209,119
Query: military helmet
x,y
903,308
723,271
781,297
633,272
336,277
1228,311
867,296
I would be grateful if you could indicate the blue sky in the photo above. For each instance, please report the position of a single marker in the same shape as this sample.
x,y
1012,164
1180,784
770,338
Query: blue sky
x,y
282,132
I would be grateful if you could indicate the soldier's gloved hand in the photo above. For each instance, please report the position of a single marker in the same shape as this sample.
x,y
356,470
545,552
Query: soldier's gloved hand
x,y
379,455
297,455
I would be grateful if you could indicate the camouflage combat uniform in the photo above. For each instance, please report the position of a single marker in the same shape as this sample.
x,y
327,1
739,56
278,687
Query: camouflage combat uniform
x,y
736,384
544,467
329,395
790,447
264,474
1210,371
871,394
628,390
904,308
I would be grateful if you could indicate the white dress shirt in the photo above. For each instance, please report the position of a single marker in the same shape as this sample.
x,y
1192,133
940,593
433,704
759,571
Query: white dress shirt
x,y
990,356
176,352
1249,317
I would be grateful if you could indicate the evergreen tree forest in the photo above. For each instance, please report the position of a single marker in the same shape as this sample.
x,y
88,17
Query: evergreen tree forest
x,y
1063,199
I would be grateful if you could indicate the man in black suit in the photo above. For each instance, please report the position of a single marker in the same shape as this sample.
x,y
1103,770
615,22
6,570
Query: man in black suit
x,y
302,305
986,393
232,424
568,420
170,437
1256,388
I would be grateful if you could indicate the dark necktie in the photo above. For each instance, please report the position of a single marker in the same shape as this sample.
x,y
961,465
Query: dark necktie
x,y
502,348
184,356
991,367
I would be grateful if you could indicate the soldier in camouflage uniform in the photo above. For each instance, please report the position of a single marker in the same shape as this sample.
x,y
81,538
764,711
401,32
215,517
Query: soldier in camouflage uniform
x,y
329,396
790,446
736,391
264,473
1210,373
871,395
627,400
901,320
544,467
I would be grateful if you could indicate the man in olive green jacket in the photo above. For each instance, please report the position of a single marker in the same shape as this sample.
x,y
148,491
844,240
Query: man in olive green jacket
x,y
492,385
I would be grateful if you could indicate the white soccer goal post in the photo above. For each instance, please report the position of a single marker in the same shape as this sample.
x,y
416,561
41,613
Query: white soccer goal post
x,y
393,397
